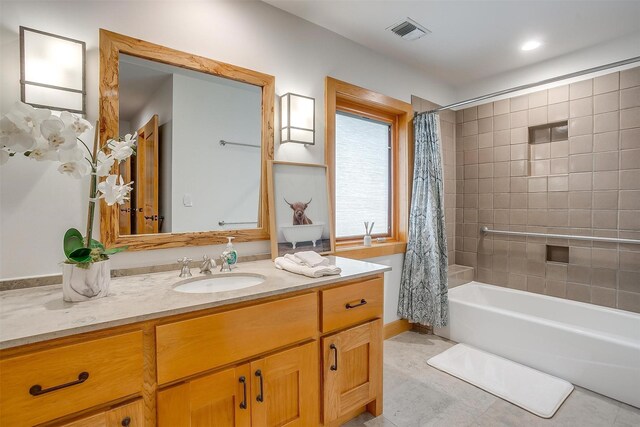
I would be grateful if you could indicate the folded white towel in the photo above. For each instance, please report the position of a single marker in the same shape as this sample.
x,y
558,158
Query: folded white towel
x,y
312,259
286,264
292,257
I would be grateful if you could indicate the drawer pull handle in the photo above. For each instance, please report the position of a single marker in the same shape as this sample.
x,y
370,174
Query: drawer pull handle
x,y
243,404
334,367
362,302
37,390
260,397
126,421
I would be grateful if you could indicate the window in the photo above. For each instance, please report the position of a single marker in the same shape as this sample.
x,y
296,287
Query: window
x,y
368,154
363,175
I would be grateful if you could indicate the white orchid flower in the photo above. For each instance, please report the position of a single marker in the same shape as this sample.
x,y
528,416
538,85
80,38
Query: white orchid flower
x,y
59,136
75,154
4,156
105,163
27,118
75,169
77,124
112,192
122,150
43,152
14,137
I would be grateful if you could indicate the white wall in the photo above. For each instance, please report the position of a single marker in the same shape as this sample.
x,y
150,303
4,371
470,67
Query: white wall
x,y
160,102
605,53
223,182
38,204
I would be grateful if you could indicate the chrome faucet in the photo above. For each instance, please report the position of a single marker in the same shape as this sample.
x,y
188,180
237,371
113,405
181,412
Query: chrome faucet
x,y
224,263
207,264
185,271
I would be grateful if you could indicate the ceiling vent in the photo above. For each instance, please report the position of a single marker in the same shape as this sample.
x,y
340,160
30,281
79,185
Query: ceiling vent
x,y
409,29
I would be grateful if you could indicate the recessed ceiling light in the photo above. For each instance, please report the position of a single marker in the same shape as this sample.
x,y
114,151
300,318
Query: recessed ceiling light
x,y
531,44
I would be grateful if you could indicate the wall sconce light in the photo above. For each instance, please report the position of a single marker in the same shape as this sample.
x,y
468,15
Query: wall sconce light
x,y
52,71
297,114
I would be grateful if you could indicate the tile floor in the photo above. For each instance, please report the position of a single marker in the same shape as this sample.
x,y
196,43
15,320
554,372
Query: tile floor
x,y
416,395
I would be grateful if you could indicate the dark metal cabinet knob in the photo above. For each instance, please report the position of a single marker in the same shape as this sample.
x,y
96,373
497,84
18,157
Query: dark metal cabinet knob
x,y
126,421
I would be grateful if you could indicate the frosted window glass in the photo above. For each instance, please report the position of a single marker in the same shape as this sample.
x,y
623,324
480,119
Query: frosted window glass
x,y
61,99
302,135
302,110
52,60
362,175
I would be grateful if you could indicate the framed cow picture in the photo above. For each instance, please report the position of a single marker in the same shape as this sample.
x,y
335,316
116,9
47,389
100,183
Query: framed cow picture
x,y
299,208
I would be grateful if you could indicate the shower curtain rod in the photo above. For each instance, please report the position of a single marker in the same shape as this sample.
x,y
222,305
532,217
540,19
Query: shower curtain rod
x,y
530,85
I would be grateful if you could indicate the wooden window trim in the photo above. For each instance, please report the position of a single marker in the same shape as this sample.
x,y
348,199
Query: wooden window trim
x,y
342,96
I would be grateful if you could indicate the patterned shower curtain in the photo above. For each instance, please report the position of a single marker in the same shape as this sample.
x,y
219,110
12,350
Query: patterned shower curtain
x,y
423,287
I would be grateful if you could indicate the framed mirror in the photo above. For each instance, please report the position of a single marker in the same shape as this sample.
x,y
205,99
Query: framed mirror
x,y
205,134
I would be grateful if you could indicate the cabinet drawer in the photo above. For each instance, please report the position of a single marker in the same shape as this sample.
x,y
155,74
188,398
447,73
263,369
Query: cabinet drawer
x,y
191,346
352,304
130,415
114,367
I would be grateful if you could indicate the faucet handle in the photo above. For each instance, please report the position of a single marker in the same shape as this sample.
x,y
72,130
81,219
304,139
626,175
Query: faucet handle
x,y
224,263
207,264
185,271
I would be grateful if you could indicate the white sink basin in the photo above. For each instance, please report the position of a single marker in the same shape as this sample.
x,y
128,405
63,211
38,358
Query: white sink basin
x,y
220,283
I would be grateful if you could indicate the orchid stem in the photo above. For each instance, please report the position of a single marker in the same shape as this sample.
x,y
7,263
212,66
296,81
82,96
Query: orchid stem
x,y
92,190
91,155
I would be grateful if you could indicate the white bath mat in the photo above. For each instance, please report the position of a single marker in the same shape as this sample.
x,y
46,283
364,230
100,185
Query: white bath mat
x,y
535,391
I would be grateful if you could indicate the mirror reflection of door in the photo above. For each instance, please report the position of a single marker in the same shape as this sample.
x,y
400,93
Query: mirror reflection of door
x,y
146,179
126,209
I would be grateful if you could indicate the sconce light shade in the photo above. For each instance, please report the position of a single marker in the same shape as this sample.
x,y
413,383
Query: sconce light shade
x,y
297,114
52,71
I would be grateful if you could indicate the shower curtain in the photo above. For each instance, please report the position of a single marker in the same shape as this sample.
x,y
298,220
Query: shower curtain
x,y
423,287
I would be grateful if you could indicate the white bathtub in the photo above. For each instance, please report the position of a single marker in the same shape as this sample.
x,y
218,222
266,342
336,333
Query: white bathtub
x,y
595,347
302,233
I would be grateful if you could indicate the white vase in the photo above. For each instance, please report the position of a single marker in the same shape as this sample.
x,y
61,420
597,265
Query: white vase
x,y
83,284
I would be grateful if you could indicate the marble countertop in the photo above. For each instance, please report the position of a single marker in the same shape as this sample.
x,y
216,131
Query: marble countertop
x,y
39,314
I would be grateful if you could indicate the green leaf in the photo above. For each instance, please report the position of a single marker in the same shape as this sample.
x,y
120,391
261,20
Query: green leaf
x,y
96,244
73,246
72,241
115,250
80,255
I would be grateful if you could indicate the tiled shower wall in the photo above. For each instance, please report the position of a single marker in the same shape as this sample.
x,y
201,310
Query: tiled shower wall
x,y
587,185
447,130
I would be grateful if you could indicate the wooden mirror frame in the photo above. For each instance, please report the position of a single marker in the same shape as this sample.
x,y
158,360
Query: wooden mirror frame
x,y
111,46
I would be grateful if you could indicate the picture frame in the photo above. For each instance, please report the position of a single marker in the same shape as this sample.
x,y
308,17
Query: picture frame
x,y
299,208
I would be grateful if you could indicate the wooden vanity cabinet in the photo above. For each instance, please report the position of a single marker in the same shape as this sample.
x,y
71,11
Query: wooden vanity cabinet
x,y
276,390
304,359
352,357
44,385
192,346
352,370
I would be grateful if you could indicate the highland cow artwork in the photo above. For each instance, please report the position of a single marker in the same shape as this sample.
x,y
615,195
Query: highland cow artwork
x,y
299,217
299,209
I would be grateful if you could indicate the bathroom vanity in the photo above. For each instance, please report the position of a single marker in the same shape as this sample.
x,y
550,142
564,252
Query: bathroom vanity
x,y
291,351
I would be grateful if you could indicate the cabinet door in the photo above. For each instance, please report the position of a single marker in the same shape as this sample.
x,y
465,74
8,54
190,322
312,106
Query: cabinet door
x,y
217,400
129,415
352,370
285,388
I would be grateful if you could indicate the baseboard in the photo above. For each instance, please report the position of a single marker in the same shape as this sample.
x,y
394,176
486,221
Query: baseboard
x,y
396,327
